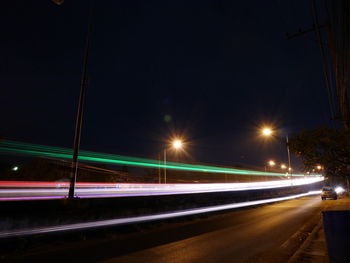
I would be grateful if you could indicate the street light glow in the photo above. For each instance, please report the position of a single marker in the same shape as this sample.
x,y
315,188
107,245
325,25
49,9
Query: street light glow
x,y
272,163
177,144
283,166
266,131
319,167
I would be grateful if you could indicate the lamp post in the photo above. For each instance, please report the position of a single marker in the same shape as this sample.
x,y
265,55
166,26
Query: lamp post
x,y
176,144
289,165
270,163
267,132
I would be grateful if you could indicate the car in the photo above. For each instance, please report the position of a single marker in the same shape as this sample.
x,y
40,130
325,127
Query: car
x,y
328,192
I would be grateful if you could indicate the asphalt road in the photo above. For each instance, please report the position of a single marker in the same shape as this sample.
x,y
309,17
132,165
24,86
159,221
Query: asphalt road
x,y
246,236
260,234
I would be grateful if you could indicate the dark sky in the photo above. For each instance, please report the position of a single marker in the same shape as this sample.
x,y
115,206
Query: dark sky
x,y
219,69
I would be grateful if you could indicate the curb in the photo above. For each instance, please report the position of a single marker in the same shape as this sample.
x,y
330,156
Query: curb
x,y
296,255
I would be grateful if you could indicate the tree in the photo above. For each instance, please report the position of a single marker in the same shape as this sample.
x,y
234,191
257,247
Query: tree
x,y
324,146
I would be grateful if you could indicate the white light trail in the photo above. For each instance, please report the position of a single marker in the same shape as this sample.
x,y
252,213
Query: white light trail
x,y
30,190
146,218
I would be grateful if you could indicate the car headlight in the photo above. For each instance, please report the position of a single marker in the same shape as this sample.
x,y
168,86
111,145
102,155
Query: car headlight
x,y
339,189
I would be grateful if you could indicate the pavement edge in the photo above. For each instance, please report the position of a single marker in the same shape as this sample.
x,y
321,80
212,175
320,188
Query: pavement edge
x,y
295,257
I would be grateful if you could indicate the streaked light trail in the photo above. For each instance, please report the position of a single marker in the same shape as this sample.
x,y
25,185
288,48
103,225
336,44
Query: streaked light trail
x,y
146,218
62,153
12,191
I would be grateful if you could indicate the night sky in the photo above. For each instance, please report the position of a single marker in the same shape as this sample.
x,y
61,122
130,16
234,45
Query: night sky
x,y
211,71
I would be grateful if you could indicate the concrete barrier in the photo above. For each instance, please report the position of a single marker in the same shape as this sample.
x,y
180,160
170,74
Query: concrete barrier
x,y
337,231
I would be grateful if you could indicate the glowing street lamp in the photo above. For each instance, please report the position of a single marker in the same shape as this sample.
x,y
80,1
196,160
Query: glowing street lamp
x,y
319,167
267,132
272,163
283,166
177,145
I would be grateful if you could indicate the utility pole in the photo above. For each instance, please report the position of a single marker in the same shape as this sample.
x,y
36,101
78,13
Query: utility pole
x,y
165,165
79,119
159,174
289,164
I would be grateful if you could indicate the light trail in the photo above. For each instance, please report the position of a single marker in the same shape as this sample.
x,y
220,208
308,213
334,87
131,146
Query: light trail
x,y
12,191
64,153
146,218
150,164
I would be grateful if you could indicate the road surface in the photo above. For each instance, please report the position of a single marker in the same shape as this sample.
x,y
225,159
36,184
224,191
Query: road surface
x,y
249,235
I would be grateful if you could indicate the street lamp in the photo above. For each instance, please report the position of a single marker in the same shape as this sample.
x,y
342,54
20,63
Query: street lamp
x,y
267,132
272,163
177,145
283,166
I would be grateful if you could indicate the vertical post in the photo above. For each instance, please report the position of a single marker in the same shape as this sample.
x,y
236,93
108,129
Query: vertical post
x,y
165,165
289,165
159,178
79,119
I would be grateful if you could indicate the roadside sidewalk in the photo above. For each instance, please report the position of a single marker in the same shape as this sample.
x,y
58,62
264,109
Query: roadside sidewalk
x,y
314,248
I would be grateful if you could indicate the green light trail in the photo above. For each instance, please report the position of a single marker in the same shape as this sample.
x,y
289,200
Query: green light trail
x,y
65,153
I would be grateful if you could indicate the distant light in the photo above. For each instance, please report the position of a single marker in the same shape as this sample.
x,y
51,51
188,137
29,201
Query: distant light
x,y
58,2
266,131
177,144
339,190
319,167
283,166
290,169
272,163
167,118
15,168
